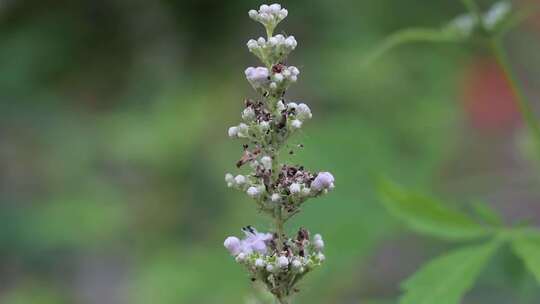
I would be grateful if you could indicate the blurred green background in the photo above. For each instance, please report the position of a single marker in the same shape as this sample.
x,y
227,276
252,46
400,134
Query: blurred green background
x,y
113,147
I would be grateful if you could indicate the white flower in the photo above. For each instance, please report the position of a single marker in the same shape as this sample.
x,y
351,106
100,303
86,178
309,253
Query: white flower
x,y
295,188
261,41
270,268
254,192
324,180
248,114
296,264
283,262
273,85
278,77
260,263
275,197
292,105
240,180
266,162
232,244
303,112
296,124
317,237
233,131
321,257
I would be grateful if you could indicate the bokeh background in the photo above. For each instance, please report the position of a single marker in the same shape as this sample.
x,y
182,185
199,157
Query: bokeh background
x,y
113,147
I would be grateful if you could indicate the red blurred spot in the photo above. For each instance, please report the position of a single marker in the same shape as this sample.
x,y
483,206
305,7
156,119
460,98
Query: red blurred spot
x,y
488,99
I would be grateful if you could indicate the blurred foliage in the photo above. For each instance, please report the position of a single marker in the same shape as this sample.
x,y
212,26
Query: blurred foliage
x,y
113,118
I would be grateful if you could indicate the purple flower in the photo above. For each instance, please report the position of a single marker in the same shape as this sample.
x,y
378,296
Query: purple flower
x,y
324,180
254,242
233,244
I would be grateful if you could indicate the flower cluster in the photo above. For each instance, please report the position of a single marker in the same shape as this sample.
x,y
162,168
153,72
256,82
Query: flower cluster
x,y
277,270
466,24
274,80
274,49
269,15
279,189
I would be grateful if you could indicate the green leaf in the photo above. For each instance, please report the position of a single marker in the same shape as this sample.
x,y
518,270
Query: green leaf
x,y
528,249
487,214
445,279
427,215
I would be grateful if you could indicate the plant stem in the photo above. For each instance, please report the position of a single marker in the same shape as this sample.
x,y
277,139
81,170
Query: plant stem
x,y
524,105
279,228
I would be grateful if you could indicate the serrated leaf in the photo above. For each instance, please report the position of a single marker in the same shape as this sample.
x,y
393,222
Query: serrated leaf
x,y
528,249
427,215
487,213
445,279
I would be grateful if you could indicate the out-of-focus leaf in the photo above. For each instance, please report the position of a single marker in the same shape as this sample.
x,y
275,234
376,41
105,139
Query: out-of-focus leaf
x,y
487,214
445,279
528,249
427,215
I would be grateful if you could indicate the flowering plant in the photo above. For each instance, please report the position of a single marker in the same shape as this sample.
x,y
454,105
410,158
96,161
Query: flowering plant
x,y
279,190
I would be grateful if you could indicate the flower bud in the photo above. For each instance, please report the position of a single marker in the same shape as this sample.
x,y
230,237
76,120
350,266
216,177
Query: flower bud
x,y
248,114
240,180
264,125
253,14
283,262
241,257
252,44
270,268
318,244
303,112
254,192
323,181
321,257
275,197
275,8
296,264
295,188
243,130
260,263
266,162
233,131
232,244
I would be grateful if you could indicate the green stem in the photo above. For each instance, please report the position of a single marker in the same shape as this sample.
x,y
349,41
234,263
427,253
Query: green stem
x,y
407,36
279,227
524,105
